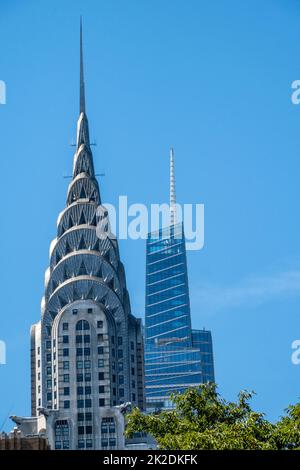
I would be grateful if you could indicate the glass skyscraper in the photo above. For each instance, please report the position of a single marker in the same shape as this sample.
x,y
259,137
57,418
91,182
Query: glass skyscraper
x,y
176,357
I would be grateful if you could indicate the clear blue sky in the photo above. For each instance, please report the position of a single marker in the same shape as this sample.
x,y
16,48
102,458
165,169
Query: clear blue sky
x,y
210,78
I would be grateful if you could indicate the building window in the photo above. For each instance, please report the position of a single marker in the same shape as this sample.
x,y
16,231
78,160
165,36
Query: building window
x,y
87,364
87,338
100,337
39,375
101,376
78,339
65,352
57,445
100,350
132,358
112,442
120,366
79,390
88,390
88,416
104,443
66,445
121,379
133,384
49,383
79,352
38,350
112,428
66,391
112,340
132,345
120,353
121,392
48,344
80,430
120,340
39,389
39,363
114,378
66,365
132,371
89,443
66,378
48,370
87,351
133,397
88,376
90,310
99,324
101,402
80,403
89,429
79,365
65,339
66,404
79,377
48,357
80,444
100,362
114,391
65,326
101,388
74,311
49,396
88,403
82,325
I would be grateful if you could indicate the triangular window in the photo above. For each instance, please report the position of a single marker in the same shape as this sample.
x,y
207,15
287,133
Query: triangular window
x,y
82,270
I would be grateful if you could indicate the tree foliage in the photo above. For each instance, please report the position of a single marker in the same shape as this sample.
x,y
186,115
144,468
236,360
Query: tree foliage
x,y
201,419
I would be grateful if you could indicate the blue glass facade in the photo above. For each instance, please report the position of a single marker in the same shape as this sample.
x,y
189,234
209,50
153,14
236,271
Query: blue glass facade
x,y
174,357
202,340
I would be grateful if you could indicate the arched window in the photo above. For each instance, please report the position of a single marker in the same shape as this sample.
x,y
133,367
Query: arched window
x,y
82,325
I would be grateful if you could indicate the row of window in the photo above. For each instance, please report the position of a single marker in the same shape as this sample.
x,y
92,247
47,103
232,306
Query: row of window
x,y
85,430
105,429
86,338
82,324
88,443
65,445
87,377
87,403
108,443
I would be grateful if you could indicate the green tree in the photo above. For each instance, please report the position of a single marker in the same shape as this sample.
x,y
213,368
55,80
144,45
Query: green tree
x,y
201,419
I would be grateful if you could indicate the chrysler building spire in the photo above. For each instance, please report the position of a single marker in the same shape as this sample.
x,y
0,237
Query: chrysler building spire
x,y
82,91
83,167
76,374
